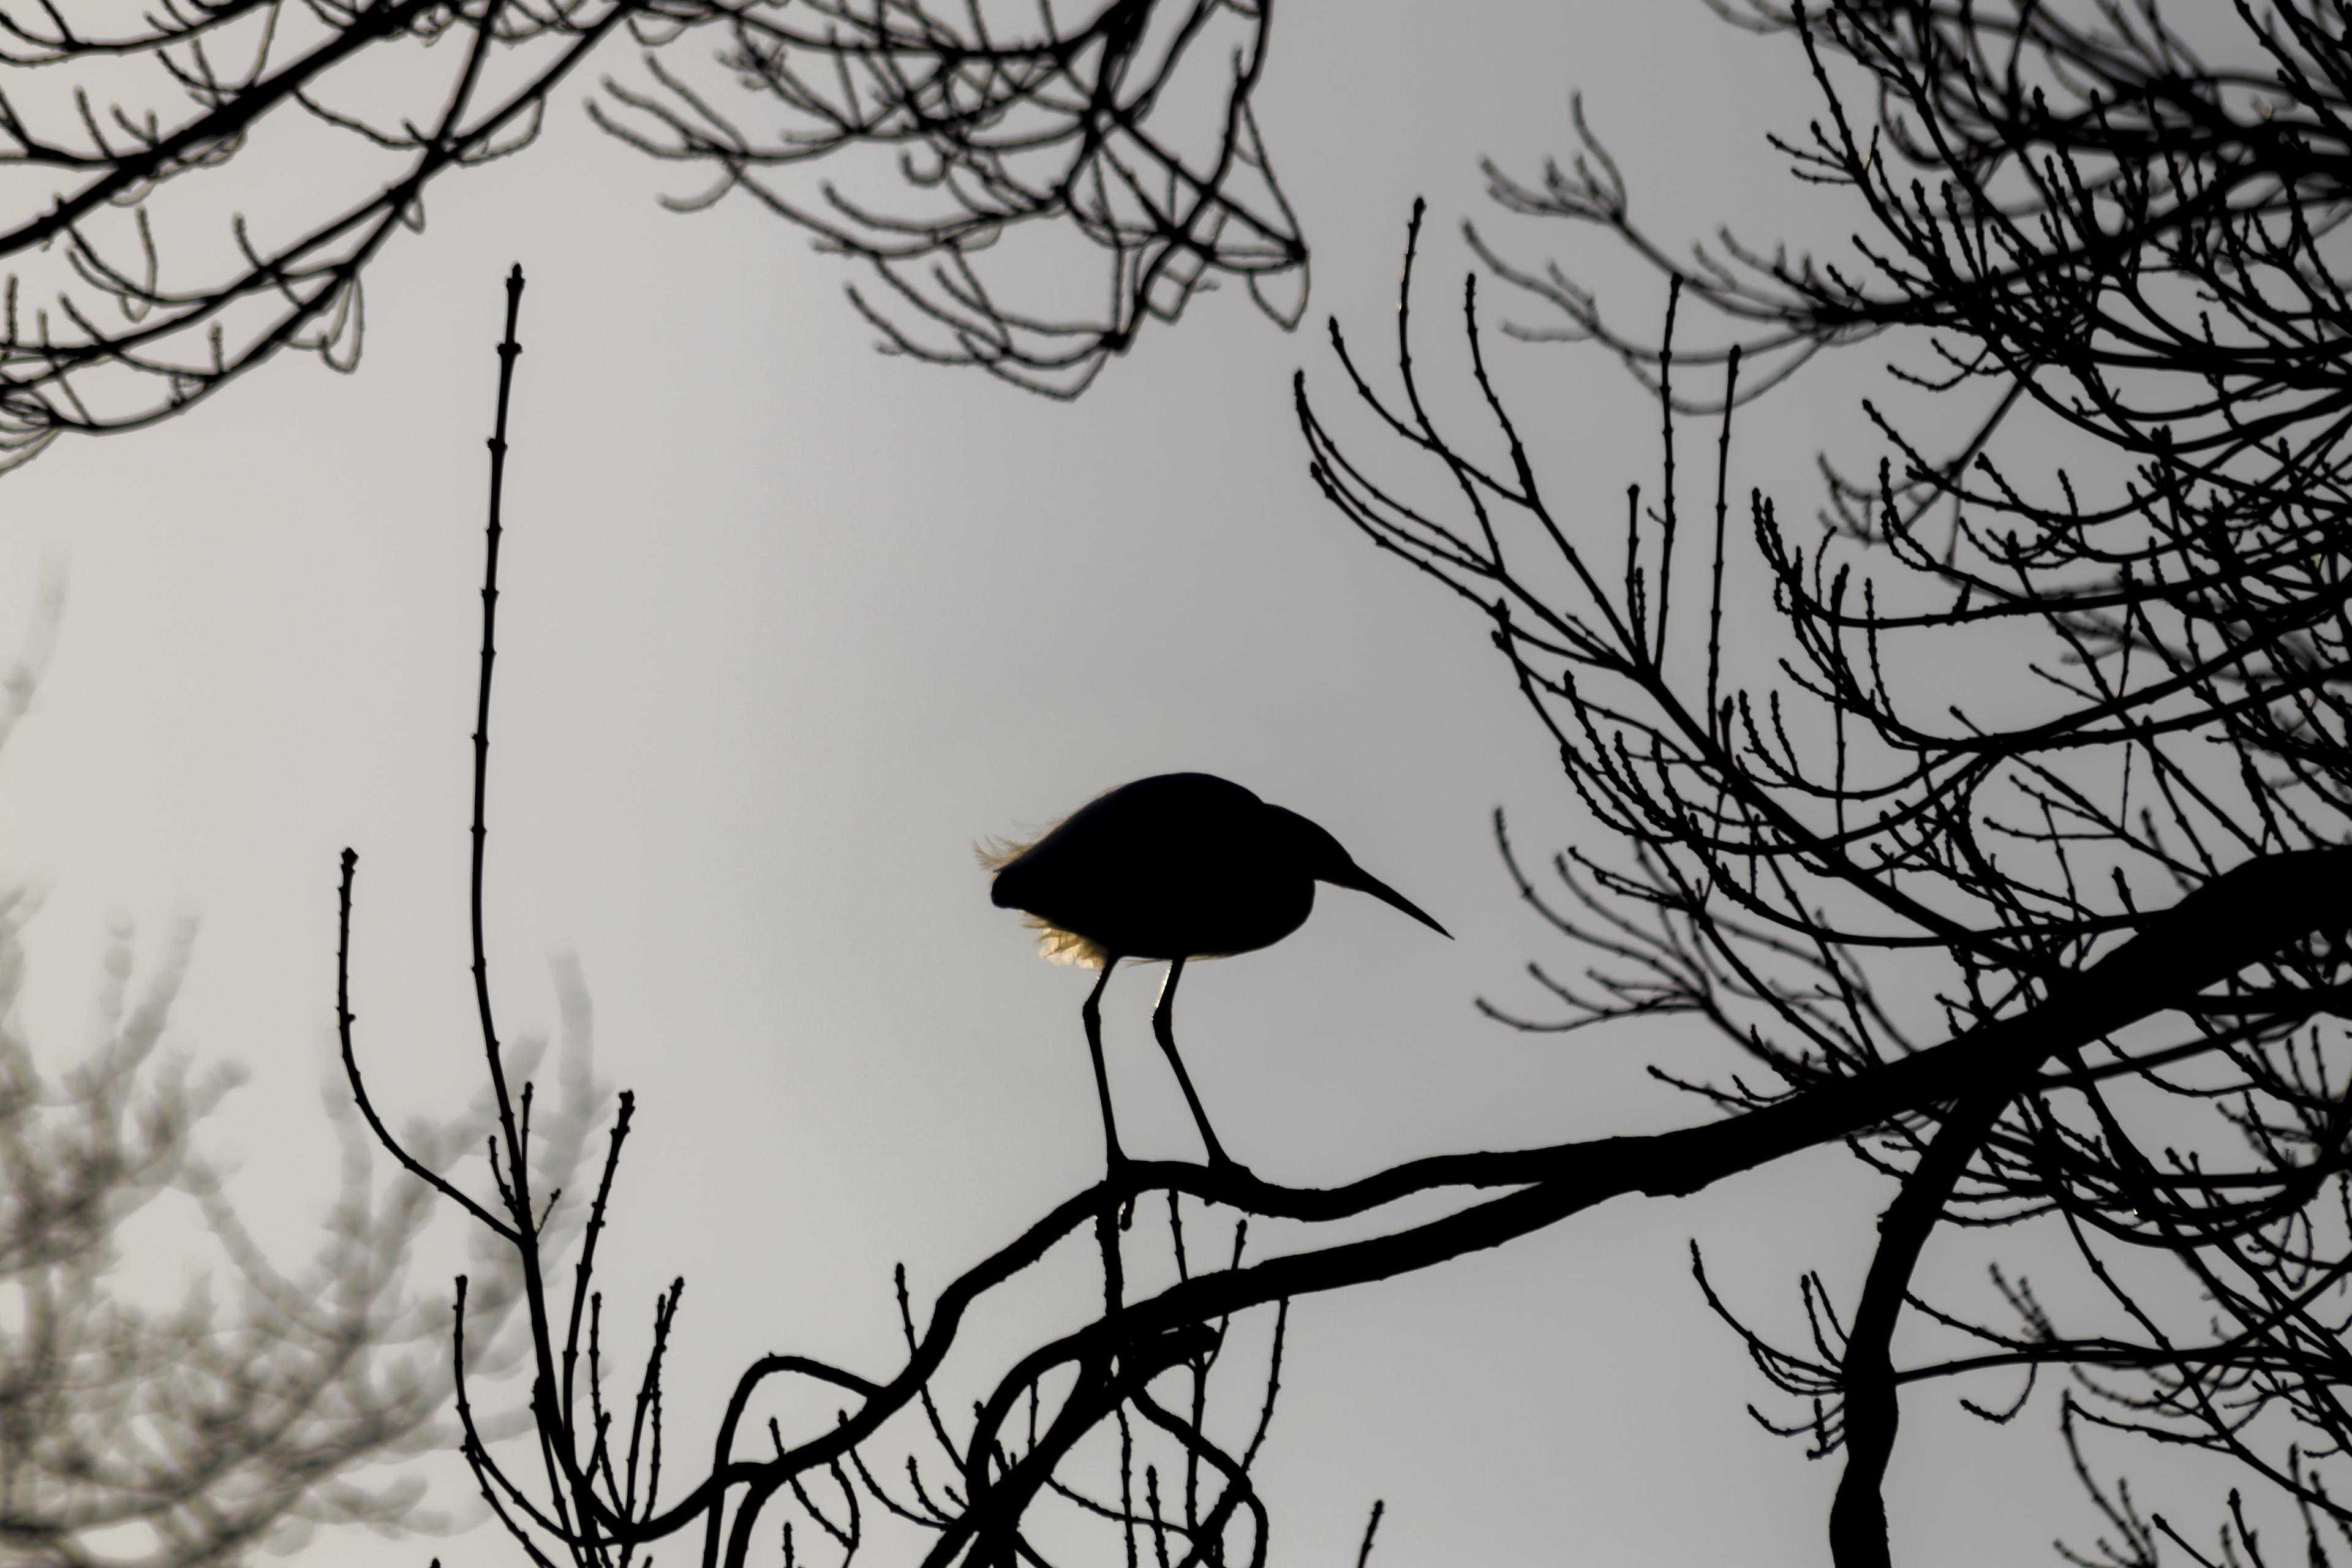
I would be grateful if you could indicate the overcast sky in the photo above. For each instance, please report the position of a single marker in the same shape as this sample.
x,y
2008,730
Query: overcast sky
x,y
788,626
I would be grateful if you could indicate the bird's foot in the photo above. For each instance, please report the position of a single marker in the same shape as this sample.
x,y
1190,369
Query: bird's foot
x,y
1224,1164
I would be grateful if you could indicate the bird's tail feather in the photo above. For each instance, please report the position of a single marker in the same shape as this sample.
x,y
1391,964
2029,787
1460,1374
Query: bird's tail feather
x,y
996,854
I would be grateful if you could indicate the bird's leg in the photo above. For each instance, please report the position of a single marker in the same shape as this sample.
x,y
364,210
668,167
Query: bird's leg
x,y
1163,1029
1092,1014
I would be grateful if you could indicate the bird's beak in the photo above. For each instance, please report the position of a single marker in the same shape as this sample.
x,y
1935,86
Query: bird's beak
x,y
1363,882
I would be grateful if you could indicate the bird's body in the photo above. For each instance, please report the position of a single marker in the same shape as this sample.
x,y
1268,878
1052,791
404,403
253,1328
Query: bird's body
x,y
1182,866
1177,866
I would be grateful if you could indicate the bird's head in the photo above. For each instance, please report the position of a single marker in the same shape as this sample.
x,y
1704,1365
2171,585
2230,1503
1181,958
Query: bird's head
x,y
1324,859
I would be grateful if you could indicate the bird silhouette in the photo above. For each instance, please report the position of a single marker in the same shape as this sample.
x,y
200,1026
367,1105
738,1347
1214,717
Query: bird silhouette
x,y
1178,867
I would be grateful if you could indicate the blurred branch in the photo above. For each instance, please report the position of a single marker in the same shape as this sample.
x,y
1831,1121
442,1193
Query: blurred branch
x,y
106,327
981,160
136,284
166,1436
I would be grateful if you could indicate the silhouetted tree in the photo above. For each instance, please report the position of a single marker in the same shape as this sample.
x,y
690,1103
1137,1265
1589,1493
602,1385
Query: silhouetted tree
x,y
2085,240
142,272
2060,948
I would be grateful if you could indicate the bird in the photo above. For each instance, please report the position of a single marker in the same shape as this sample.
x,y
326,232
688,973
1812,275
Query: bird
x,y
1173,867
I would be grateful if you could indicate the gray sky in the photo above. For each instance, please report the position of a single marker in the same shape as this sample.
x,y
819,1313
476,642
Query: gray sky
x,y
788,628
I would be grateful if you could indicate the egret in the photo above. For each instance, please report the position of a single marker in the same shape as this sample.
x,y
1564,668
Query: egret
x,y
1178,867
